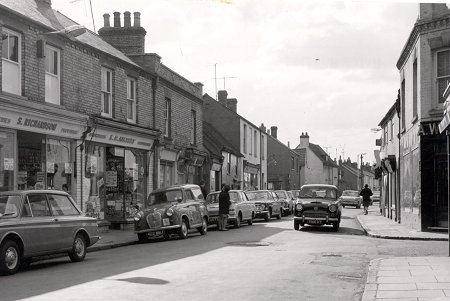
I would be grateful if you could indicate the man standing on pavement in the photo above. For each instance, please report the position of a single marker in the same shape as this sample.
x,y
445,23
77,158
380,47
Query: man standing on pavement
x,y
366,193
224,207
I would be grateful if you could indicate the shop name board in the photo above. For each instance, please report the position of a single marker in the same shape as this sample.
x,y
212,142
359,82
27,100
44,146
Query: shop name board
x,y
431,128
122,139
105,136
35,123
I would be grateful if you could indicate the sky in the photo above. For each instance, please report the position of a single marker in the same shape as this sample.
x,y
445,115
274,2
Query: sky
x,y
327,68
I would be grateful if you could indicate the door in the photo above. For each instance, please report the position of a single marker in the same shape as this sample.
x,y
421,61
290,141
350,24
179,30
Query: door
x,y
194,209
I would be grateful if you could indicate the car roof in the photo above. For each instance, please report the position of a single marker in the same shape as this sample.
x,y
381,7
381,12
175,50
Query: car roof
x,y
32,191
218,191
350,190
258,190
319,185
174,187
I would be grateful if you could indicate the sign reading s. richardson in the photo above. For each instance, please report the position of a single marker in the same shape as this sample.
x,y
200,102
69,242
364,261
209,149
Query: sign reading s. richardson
x,y
40,124
106,136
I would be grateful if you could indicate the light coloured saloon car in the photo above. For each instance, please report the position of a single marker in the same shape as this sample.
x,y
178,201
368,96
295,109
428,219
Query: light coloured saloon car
x,y
351,198
34,223
241,210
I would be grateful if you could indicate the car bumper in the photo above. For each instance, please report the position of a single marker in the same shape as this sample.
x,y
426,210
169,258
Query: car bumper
x,y
325,219
94,239
157,229
261,214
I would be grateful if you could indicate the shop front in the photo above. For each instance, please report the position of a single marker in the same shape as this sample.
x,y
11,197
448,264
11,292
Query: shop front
x,y
251,172
37,147
117,164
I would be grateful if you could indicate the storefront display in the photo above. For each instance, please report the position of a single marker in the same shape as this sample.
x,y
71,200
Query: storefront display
x,y
7,160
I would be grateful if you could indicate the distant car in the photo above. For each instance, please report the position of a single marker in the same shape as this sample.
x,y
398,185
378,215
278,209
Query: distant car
x,y
241,210
172,210
350,198
284,199
318,205
42,222
295,193
266,206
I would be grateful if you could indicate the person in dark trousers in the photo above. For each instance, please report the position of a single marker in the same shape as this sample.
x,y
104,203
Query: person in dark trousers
x,y
224,207
203,188
366,193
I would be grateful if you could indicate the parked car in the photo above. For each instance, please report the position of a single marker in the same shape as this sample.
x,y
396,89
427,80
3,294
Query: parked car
x,y
266,206
284,199
295,193
351,198
42,222
241,210
172,210
292,199
318,205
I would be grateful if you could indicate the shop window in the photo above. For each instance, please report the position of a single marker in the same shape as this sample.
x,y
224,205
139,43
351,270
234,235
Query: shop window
x,y
94,182
11,61
131,100
52,75
59,166
7,163
31,150
106,87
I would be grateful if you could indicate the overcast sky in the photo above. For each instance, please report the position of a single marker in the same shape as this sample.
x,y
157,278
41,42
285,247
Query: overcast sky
x,y
322,67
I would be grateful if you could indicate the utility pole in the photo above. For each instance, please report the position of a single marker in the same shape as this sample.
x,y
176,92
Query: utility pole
x,y
362,173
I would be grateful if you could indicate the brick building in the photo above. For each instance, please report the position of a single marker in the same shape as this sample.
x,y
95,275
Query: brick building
x,y
424,74
283,164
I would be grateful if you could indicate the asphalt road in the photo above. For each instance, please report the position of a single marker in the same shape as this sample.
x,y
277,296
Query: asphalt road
x,y
265,261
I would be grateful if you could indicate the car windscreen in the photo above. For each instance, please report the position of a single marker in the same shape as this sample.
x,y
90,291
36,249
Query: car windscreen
x,y
9,205
165,197
281,194
350,193
212,198
317,193
258,195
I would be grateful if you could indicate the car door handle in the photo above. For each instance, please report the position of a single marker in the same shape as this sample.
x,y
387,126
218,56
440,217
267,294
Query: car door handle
x,y
55,220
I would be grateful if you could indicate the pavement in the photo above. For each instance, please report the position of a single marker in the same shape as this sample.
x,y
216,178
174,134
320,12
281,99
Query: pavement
x,y
388,279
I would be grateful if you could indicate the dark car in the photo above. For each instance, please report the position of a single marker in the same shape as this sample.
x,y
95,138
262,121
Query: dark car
x,y
265,204
241,210
172,210
318,204
34,223
284,199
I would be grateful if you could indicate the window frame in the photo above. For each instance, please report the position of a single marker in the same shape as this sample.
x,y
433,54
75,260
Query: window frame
x,y
131,97
19,57
447,77
168,117
193,127
105,70
50,74
245,138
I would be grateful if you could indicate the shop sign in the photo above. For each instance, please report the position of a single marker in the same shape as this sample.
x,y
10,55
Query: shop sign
x,y
8,164
431,128
38,124
120,139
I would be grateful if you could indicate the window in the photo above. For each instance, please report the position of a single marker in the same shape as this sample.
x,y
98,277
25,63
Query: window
x,y
193,127
245,138
403,103
131,100
229,163
167,118
166,174
11,58
262,148
442,72
38,205
385,135
415,88
52,75
292,163
255,140
106,92
61,205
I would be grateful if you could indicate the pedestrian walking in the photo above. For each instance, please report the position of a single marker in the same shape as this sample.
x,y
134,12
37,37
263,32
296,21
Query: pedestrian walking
x,y
224,207
366,193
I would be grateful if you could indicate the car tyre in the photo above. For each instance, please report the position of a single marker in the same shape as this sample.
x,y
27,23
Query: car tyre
x,y
296,225
204,228
267,217
237,223
78,249
250,221
183,231
10,258
143,237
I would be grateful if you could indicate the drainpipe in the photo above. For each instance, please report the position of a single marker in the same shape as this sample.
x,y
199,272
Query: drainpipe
x,y
156,142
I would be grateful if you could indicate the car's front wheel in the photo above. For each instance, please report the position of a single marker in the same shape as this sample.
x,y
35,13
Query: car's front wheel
x,y
9,258
204,228
78,249
183,232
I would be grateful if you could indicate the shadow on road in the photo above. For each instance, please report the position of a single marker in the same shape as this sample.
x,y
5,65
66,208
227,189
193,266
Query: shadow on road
x,y
329,230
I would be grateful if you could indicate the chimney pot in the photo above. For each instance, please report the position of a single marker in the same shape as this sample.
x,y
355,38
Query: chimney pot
x,y
137,19
106,20
262,128
117,19
127,19
274,130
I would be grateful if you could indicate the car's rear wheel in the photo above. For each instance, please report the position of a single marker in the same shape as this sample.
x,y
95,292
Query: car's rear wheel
x,y
183,232
267,217
237,223
250,221
78,249
143,237
9,258
204,228
296,225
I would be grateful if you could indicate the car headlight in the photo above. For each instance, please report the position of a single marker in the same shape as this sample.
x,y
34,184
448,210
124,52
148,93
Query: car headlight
x,y
332,208
137,217
299,207
169,212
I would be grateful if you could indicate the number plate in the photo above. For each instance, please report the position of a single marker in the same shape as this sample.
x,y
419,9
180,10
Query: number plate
x,y
156,233
314,222
214,219
166,222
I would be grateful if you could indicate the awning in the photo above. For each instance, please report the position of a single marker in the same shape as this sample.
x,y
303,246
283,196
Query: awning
x,y
444,123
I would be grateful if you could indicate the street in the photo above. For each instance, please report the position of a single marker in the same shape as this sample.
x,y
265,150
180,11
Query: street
x,y
265,261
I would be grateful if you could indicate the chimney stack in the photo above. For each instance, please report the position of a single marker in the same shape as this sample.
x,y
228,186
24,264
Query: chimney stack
x,y
232,104
200,86
127,19
274,130
106,20
263,128
222,96
304,140
128,39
